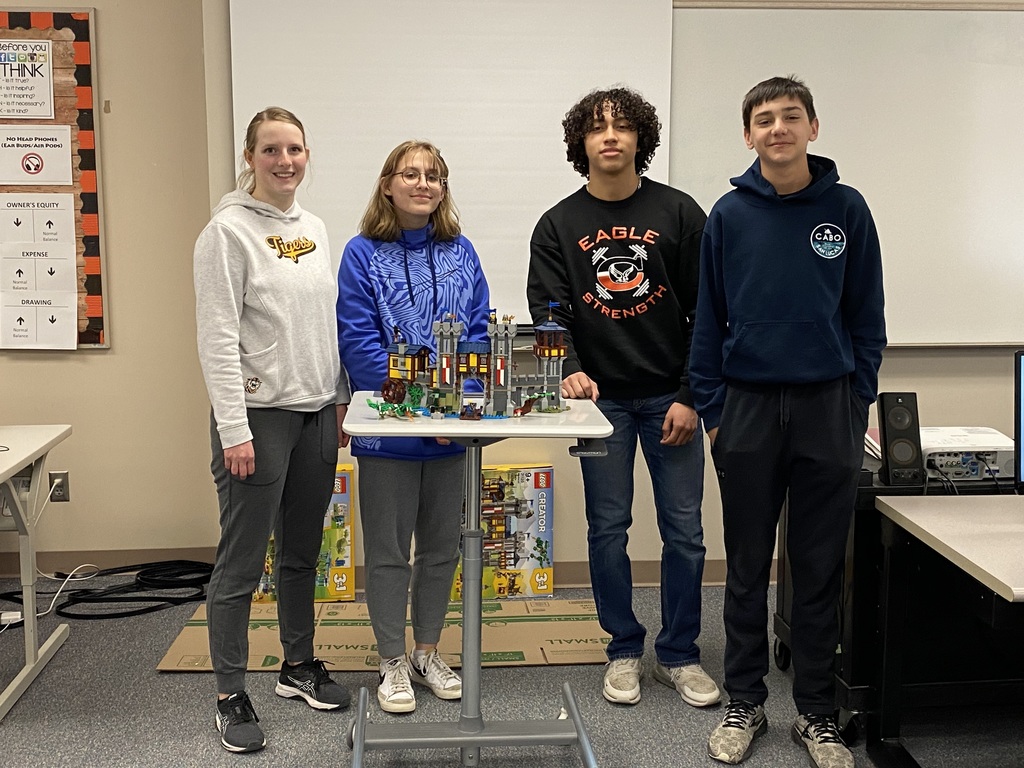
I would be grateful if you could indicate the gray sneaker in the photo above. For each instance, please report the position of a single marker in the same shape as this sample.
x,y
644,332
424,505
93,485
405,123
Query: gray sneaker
x,y
237,723
622,680
693,684
743,722
821,737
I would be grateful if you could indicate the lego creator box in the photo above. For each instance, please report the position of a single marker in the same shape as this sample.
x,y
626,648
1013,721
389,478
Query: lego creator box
x,y
516,508
335,573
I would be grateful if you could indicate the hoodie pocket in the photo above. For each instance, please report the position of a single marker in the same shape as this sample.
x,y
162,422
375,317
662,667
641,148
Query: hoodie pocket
x,y
260,376
794,351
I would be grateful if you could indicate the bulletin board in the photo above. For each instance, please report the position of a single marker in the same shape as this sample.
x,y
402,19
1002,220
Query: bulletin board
x,y
51,255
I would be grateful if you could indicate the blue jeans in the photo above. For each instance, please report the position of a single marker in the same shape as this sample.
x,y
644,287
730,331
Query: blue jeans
x,y
677,475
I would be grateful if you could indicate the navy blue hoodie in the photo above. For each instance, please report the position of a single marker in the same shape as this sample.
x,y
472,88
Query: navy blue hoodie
x,y
790,290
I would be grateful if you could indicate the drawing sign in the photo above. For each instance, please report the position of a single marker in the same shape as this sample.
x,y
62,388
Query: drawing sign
x,y
38,271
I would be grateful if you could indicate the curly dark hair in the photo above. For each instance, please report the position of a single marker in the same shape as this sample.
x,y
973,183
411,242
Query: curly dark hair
x,y
625,103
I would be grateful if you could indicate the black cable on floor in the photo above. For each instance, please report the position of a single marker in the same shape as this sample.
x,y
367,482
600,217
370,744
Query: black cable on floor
x,y
150,579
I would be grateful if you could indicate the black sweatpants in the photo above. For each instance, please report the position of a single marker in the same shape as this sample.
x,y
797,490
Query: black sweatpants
x,y
805,442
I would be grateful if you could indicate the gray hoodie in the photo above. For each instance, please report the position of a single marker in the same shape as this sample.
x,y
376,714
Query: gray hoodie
x,y
265,304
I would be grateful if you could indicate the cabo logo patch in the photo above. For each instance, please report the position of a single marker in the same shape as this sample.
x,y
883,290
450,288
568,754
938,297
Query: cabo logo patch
x,y
828,240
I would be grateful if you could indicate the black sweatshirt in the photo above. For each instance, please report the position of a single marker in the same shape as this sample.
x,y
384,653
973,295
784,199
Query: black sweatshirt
x,y
625,275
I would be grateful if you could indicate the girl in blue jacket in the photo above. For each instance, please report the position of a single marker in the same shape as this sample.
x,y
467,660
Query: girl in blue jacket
x,y
409,267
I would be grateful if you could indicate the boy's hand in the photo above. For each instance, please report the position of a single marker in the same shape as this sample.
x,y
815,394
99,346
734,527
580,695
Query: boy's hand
x,y
579,386
679,425
712,434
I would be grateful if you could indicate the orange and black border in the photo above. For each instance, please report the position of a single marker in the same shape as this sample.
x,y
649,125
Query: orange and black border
x,y
78,22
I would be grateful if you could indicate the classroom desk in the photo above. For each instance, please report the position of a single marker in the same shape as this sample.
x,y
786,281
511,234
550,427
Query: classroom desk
x,y
27,448
981,536
859,656
471,732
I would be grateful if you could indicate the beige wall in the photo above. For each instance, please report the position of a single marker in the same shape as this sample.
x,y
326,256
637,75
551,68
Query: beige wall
x,y
139,455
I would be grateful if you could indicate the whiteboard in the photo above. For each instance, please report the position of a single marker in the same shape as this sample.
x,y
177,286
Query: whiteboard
x,y
487,82
923,112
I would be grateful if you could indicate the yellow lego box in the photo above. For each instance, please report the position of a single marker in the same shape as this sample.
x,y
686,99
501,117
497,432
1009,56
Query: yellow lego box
x,y
336,570
516,507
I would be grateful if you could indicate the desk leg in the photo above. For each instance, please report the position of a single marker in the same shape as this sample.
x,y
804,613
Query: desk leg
x,y
36,657
470,733
884,744
472,610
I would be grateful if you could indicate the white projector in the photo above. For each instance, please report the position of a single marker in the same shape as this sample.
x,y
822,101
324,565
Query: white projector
x,y
966,453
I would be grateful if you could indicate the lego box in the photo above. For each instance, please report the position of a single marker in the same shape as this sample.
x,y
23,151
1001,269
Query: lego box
x,y
335,573
516,517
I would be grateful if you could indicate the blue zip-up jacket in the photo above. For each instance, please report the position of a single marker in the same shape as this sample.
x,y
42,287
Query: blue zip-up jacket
x,y
407,284
790,290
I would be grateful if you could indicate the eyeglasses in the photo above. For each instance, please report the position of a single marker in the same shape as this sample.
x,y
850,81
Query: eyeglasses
x,y
412,178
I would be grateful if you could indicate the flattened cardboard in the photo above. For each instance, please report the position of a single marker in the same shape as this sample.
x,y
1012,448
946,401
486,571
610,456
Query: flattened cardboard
x,y
513,633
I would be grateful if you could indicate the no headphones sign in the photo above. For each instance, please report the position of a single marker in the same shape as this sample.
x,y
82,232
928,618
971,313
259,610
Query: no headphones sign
x,y
32,163
35,154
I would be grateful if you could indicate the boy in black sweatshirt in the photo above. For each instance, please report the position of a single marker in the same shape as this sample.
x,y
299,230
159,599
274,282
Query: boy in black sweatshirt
x,y
620,256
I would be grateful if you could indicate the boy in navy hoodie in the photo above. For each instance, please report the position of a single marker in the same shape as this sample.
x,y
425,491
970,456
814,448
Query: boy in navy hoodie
x,y
784,364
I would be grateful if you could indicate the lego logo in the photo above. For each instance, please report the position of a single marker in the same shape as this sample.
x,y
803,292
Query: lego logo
x,y
542,480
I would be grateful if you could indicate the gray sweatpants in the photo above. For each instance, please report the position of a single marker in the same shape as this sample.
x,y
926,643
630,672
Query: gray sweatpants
x,y
296,456
397,499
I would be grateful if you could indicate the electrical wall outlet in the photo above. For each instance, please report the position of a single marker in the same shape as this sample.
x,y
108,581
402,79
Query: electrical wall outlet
x,y
61,489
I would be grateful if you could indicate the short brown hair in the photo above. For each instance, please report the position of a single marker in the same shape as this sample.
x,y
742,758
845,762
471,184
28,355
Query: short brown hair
x,y
777,88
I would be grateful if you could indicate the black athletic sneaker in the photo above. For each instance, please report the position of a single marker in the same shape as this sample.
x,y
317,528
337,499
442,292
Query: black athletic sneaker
x,y
311,682
236,721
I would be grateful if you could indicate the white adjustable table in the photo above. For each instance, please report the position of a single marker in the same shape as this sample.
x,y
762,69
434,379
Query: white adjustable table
x,y
27,448
471,732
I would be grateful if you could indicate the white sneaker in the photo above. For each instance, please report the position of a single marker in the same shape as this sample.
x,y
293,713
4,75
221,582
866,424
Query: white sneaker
x,y
431,671
622,680
694,685
395,690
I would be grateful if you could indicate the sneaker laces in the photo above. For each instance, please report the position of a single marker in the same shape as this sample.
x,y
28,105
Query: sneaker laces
x,y
318,669
239,711
822,729
738,714
393,676
443,671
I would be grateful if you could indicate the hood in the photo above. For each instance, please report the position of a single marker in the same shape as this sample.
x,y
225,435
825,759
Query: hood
x,y
243,199
824,175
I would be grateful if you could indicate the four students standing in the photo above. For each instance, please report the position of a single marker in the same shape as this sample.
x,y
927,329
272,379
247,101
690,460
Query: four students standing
x,y
781,294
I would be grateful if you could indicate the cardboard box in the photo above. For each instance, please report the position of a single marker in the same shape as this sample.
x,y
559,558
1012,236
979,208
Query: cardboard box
x,y
336,571
516,505
513,633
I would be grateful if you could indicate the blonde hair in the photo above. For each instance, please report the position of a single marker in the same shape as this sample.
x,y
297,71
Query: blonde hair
x,y
380,221
247,178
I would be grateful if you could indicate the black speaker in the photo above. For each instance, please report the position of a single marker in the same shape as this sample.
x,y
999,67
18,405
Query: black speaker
x,y
899,433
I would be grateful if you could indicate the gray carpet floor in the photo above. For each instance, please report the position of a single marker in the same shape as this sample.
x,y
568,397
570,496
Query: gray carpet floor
x,y
101,702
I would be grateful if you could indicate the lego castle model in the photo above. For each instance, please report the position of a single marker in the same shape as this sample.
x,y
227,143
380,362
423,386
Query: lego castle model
x,y
474,379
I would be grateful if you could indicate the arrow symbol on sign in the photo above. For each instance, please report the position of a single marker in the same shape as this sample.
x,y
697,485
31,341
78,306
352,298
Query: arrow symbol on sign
x,y
21,321
50,272
52,319
17,222
19,273
49,224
